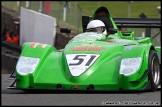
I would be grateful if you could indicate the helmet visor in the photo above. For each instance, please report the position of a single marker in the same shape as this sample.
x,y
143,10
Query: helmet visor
x,y
100,29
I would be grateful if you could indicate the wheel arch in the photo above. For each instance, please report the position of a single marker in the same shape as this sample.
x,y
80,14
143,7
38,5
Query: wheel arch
x,y
147,51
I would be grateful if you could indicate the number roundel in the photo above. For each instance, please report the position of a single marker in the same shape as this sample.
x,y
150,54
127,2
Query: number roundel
x,y
78,63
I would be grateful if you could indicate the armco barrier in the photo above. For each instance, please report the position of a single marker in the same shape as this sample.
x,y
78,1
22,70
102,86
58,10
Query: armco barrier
x,y
9,60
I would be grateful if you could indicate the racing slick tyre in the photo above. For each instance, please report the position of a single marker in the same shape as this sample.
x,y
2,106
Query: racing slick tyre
x,y
154,70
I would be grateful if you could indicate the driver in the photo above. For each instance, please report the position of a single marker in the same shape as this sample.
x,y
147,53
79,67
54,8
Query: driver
x,y
96,26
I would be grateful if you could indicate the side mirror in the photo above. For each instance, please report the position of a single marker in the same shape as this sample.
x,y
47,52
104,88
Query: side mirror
x,y
112,30
65,30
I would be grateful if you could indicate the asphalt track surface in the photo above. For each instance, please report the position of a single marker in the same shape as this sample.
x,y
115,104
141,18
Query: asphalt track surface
x,y
19,98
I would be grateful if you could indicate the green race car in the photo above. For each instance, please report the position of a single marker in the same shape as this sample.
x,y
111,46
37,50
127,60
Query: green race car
x,y
92,61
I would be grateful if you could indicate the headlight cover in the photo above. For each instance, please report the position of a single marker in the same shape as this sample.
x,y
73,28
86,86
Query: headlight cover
x,y
130,66
26,65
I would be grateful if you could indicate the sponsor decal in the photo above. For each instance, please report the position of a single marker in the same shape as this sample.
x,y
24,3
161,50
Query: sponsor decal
x,y
118,41
128,47
109,40
42,45
87,47
75,87
33,45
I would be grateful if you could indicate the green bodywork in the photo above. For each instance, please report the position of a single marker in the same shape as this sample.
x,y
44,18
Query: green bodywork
x,y
52,69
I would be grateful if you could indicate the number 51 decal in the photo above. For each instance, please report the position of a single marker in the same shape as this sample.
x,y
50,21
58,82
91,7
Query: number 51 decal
x,y
78,63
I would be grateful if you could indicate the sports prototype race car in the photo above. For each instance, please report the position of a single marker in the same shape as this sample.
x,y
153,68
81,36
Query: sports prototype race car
x,y
118,60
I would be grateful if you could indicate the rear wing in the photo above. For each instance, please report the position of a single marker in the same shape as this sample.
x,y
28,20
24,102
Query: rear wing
x,y
138,22
128,22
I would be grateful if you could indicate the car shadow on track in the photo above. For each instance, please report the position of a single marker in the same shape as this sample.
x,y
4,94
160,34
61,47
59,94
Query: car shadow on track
x,y
9,91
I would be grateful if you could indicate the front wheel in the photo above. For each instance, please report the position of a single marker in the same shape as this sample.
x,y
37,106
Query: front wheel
x,y
154,70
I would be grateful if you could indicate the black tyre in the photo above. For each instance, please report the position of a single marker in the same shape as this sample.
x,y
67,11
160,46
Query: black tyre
x,y
154,70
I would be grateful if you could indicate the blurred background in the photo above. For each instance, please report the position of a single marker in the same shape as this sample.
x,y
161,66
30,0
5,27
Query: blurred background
x,y
68,14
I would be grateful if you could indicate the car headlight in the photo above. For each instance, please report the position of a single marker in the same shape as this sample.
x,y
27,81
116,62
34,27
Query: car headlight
x,y
26,65
130,66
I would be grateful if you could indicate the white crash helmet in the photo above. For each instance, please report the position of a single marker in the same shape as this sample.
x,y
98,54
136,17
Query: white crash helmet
x,y
96,26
